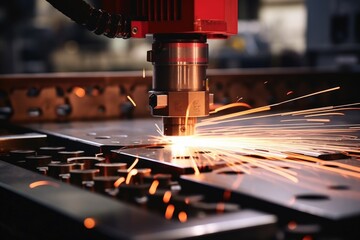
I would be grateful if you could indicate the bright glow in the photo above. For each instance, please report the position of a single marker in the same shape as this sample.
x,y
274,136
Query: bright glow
x,y
298,137
180,148
79,92
182,216
131,100
169,211
118,182
166,197
153,187
43,183
132,173
231,105
143,73
89,223
133,165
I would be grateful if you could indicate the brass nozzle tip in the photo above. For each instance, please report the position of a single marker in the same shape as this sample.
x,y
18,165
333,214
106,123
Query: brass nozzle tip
x,y
179,126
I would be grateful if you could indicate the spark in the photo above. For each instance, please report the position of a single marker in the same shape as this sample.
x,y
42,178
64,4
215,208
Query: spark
x,y
306,96
143,73
324,114
132,173
306,120
169,211
231,105
298,138
131,100
158,129
118,182
167,197
79,92
43,183
216,120
153,187
133,165
89,223
180,147
182,216
221,119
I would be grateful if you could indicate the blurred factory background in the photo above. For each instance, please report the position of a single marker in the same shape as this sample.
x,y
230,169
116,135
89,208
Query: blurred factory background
x,y
36,38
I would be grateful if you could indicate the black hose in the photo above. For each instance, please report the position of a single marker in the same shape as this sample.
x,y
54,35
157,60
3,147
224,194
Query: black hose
x,y
96,20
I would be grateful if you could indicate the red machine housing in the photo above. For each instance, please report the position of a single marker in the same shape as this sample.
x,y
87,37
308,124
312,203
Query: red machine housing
x,y
179,54
213,18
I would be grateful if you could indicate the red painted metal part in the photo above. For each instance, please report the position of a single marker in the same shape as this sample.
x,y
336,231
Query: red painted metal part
x,y
214,18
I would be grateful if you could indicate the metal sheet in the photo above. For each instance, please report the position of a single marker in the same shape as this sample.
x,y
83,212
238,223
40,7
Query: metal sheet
x,y
66,207
266,185
112,133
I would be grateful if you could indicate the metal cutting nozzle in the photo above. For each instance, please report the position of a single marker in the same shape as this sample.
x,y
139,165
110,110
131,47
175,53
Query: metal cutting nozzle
x,y
179,126
179,92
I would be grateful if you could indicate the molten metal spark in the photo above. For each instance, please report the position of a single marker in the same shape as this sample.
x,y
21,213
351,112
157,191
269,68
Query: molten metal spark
x,y
153,187
231,105
143,73
89,223
131,100
43,183
169,211
182,216
118,182
299,139
79,92
132,173
133,165
167,197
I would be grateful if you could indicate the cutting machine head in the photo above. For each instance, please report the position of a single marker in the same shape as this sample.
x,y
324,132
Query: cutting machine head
x,y
179,54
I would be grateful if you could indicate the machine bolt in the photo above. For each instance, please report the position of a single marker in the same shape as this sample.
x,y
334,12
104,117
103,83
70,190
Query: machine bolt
x,y
158,101
134,30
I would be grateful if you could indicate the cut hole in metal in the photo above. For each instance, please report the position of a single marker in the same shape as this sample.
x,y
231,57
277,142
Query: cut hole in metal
x,y
285,167
256,156
333,156
339,187
185,157
231,172
102,137
331,166
121,136
202,152
155,147
312,197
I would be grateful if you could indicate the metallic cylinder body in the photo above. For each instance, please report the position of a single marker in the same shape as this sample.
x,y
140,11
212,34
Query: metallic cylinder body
x,y
180,66
179,91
